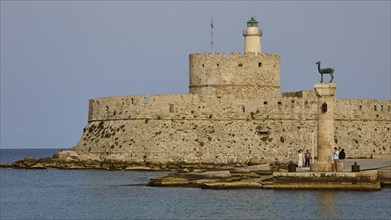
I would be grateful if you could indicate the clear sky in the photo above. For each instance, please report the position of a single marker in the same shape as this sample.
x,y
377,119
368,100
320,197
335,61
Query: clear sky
x,y
56,55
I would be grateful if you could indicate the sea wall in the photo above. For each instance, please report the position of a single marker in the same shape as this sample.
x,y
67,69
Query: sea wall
x,y
194,129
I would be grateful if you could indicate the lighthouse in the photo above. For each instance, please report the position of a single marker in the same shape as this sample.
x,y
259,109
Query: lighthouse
x,y
252,37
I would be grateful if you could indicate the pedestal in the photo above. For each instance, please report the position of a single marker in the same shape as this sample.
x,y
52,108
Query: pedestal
x,y
325,141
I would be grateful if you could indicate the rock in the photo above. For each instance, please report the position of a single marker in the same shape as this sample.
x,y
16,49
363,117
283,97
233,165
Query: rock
x,y
208,174
168,181
89,157
67,156
384,176
232,185
29,161
255,160
38,166
255,168
137,168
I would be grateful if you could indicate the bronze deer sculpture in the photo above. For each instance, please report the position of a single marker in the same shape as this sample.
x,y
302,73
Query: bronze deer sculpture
x,y
329,71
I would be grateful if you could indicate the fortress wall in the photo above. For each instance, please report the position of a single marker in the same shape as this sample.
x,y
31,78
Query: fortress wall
x,y
361,128
194,107
246,76
197,141
208,129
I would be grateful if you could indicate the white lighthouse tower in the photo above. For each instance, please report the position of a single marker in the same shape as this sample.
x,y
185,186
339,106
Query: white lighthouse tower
x,y
252,37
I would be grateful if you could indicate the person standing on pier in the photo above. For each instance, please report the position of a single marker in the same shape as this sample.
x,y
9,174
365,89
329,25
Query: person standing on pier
x,y
300,160
307,157
335,158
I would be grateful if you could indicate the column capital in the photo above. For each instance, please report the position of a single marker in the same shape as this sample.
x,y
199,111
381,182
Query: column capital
x,y
325,89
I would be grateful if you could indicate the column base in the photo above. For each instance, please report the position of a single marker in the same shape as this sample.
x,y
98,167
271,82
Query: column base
x,y
322,166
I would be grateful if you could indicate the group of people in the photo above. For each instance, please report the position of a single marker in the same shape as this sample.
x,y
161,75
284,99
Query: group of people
x,y
307,158
337,155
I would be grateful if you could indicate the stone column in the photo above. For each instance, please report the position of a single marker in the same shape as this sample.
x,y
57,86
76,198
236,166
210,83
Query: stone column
x,y
325,117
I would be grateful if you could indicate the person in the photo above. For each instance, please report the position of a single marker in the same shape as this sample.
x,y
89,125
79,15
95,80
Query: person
x,y
342,155
300,160
335,158
307,157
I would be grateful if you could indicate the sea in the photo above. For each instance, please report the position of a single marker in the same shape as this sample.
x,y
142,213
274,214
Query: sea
x,y
99,194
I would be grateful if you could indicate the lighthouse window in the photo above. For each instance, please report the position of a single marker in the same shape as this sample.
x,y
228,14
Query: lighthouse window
x,y
259,64
240,65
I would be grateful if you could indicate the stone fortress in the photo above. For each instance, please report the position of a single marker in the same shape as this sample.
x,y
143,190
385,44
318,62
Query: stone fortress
x,y
234,114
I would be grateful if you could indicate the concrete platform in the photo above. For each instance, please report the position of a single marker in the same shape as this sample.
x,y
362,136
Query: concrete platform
x,y
366,180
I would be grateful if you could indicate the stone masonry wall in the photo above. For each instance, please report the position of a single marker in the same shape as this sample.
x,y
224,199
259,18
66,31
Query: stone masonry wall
x,y
250,75
225,130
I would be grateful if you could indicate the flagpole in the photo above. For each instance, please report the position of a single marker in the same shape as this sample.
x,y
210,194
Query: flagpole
x,y
211,34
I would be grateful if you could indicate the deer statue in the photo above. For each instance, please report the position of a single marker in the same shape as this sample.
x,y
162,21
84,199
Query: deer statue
x,y
325,71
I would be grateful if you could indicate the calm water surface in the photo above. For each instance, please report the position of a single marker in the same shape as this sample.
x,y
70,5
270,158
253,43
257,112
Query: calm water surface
x,y
95,194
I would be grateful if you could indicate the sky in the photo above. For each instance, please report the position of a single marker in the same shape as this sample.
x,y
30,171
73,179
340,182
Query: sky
x,y
56,55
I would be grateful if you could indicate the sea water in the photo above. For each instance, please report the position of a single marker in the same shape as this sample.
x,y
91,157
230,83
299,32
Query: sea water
x,y
98,194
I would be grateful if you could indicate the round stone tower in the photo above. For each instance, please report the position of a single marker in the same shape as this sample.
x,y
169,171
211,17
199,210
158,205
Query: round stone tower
x,y
253,74
252,37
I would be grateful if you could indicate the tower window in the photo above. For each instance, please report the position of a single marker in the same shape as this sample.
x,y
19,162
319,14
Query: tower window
x,y
243,108
203,65
132,101
218,64
381,108
265,103
240,65
360,107
145,100
374,108
171,108
279,103
260,64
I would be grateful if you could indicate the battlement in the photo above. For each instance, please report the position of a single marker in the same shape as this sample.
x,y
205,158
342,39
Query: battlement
x,y
233,56
201,107
308,94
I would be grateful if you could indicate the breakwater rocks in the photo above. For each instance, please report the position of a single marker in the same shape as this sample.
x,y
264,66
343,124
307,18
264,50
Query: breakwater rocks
x,y
73,160
262,177
246,177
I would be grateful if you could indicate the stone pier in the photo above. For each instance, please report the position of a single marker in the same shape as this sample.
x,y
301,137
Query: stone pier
x,y
325,141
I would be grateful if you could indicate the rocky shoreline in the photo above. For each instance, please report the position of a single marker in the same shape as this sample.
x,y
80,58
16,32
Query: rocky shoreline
x,y
73,160
216,176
